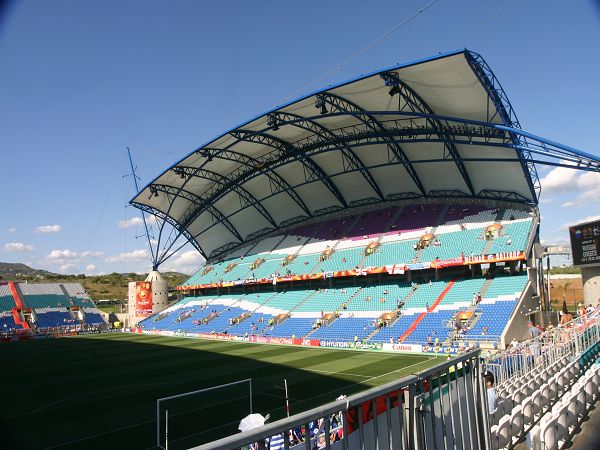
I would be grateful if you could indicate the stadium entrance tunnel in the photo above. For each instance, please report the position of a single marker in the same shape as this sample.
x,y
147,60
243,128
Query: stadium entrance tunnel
x,y
100,391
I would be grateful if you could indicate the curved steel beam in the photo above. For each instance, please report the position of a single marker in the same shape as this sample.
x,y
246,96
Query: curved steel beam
x,y
260,165
348,156
492,86
168,219
343,104
314,170
244,194
416,104
187,219
471,129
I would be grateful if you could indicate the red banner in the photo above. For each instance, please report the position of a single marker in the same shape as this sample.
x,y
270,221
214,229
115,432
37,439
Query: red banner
x,y
143,298
478,259
271,340
306,342
390,269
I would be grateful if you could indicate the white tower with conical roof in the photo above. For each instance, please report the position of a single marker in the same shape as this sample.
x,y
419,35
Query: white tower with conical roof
x,y
147,297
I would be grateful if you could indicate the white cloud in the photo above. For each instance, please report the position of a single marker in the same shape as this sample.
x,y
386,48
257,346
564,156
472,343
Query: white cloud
x,y
62,254
565,226
12,229
17,247
88,254
187,262
559,179
153,220
90,268
47,229
130,222
134,255
556,240
68,268
563,180
69,261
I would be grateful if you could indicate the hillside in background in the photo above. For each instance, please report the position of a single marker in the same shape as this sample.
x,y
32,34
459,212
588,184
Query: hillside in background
x,y
18,269
110,286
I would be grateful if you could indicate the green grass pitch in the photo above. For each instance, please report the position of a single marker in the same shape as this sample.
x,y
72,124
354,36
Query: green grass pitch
x,y
100,391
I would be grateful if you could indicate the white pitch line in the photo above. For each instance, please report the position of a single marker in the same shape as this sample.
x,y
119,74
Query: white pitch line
x,y
336,373
113,389
388,373
154,420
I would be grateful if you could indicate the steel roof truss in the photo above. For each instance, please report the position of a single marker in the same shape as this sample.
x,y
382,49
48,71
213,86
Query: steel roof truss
x,y
343,104
191,214
258,166
348,156
312,171
246,198
182,231
416,104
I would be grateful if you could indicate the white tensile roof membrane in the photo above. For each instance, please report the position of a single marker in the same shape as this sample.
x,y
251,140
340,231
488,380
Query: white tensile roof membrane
x,y
348,145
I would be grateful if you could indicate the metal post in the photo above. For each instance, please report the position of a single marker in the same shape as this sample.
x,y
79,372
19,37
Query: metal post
x,y
250,380
287,400
549,297
167,429
158,423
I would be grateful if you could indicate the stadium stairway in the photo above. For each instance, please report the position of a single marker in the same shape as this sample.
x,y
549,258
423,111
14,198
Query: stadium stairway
x,y
17,295
485,287
17,316
421,316
488,246
66,293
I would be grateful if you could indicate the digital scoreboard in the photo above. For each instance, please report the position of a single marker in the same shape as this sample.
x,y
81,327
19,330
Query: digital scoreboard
x,y
585,243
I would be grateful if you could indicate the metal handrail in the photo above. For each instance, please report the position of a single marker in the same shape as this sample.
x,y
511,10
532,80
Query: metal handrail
x,y
435,378
570,339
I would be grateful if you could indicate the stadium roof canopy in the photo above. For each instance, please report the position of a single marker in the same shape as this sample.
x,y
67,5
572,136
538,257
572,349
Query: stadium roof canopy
x,y
439,127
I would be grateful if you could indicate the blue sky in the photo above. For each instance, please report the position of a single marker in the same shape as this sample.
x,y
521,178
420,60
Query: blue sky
x,y
82,80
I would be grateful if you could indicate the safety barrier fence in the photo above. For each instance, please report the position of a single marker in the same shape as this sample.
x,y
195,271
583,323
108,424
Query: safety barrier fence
x,y
547,385
521,359
444,407
548,403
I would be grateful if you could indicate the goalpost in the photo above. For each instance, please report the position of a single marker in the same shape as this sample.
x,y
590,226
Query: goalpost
x,y
162,411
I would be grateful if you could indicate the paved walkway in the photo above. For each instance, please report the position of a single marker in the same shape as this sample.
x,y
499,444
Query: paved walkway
x,y
589,436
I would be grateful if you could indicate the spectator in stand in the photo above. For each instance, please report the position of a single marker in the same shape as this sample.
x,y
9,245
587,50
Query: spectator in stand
x,y
276,442
534,331
491,393
565,317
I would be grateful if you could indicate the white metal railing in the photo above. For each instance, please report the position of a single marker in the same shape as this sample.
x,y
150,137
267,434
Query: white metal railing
x,y
444,407
571,339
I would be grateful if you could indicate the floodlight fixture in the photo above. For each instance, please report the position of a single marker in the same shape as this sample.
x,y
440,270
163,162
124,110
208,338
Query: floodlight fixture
x,y
320,104
273,122
392,80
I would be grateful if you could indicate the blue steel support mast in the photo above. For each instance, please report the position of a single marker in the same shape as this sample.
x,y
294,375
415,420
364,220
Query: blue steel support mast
x,y
146,230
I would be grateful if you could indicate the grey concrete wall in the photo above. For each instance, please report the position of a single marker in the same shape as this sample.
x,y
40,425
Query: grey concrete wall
x,y
590,276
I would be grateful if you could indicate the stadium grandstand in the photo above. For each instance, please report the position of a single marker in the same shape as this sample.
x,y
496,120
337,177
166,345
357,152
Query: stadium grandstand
x,y
397,208
395,211
29,309
394,215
